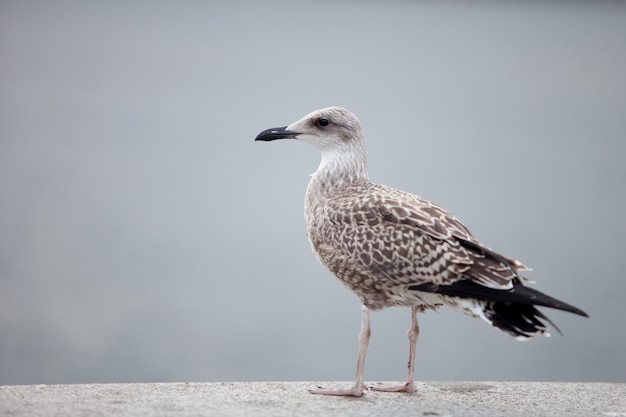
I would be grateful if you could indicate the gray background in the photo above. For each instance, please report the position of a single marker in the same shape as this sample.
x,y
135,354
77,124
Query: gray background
x,y
144,236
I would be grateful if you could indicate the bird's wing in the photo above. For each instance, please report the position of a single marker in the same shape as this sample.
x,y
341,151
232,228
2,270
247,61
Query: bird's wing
x,y
412,241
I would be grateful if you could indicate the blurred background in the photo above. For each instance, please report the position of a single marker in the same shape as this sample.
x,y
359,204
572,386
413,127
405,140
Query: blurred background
x,y
144,235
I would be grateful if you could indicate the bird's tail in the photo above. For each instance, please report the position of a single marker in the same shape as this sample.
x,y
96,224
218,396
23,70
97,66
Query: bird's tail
x,y
512,311
521,321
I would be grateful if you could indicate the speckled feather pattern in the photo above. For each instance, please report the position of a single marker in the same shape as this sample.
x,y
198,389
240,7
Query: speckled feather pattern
x,y
378,241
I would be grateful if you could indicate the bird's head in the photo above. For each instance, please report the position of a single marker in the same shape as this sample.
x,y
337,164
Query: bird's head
x,y
331,129
337,133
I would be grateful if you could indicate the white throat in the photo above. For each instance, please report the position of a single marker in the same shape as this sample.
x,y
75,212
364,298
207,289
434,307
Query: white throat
x,y
337,168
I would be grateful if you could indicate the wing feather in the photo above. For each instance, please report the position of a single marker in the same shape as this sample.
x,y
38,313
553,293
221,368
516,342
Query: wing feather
x,y
410,241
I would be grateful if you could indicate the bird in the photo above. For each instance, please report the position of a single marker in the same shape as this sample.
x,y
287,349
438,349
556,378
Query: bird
x,y
393,248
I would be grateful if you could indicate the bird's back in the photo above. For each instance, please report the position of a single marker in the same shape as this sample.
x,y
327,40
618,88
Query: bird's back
x,y
379,239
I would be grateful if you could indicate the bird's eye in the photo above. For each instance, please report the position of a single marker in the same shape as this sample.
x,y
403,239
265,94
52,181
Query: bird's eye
x,y
323,122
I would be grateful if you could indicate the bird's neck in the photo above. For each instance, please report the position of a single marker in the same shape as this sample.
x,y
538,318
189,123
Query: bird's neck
x,y
336,169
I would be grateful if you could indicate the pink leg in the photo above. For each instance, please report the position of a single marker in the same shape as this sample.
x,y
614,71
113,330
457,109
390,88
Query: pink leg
x,y
359,386
409,385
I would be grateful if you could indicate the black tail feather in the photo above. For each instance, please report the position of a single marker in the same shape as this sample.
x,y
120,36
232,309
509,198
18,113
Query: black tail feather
x,y
519,294
518,320
512,311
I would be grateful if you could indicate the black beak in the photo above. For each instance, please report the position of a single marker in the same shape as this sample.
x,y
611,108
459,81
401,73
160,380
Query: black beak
x,y
276,133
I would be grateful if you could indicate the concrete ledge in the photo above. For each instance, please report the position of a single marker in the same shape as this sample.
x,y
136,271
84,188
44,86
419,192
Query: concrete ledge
x,y
291,398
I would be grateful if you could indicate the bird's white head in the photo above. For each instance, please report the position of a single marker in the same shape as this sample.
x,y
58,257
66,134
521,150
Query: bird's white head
x,y
336,132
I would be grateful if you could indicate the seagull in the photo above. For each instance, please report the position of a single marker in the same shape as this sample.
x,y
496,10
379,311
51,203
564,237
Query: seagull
x,y
392,248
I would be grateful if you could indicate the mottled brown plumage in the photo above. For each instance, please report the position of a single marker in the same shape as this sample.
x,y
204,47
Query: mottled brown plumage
x,y
378,241
393,248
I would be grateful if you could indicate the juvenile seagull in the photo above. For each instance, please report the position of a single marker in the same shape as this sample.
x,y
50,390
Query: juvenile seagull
x,y
392,248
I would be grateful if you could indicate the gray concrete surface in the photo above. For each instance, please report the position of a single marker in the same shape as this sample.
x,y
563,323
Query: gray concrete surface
x,y
292,399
